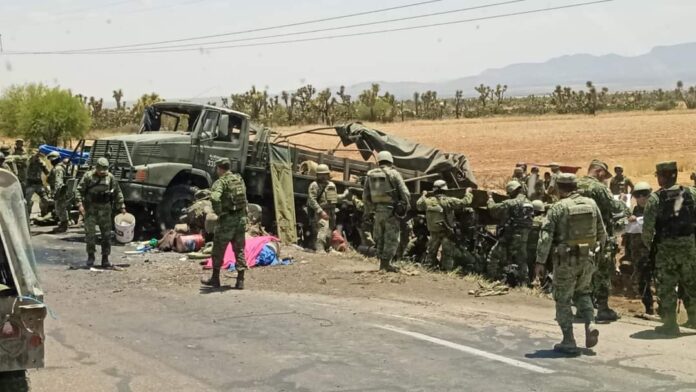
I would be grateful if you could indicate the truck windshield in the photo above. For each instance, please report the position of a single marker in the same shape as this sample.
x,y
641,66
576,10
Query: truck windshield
x,y
168,121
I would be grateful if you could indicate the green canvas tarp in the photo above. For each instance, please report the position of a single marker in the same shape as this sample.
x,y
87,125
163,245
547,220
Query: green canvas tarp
x,y
283,193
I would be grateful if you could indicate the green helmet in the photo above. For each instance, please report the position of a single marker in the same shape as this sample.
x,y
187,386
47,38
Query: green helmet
x,y
642,186
102,163
323,169
440,185
385,156
538,205
53,155
512,186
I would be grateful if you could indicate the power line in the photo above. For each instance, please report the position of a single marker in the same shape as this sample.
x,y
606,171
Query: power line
x,y
366,33
200,37
198,45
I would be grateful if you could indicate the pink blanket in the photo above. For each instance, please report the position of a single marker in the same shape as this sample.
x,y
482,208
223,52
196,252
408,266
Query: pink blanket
x,y
252,248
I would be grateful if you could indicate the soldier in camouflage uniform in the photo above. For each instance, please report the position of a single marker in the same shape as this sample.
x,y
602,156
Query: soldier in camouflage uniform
x,y
385,194
98,195
551,190
198,211
509,255
638,253
19,147
36,169
439,214
573,229
668,228
521,177
228,195
592,186
620,184
533,239
56,181
539,191
321,204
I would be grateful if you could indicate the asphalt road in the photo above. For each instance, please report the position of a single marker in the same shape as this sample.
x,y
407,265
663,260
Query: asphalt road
x,y
120,338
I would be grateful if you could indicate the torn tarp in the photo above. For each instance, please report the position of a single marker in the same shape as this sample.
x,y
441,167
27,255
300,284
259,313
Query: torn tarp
x,y
407,154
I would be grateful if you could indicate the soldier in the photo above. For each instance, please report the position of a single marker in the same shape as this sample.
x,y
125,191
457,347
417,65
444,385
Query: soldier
x,y
385,194
620,184
198,211
321,203
228,195
98,195
4,165
573,228
592,186
668,230
520,176
551,190
439,214
36,169
539,190
19,147
693,177
515,216
56,180
533,238
638,253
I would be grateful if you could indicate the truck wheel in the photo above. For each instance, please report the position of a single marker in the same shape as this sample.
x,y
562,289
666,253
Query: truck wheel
x,y
173,203
15,381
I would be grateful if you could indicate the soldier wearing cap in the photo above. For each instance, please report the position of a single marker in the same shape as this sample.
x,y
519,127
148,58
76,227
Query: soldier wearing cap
x,y
668,229
56,181
515,215
620,184
36,169
228,196
571,232
638,253
386,196
19,147
98,195
322,197
593,186
439,212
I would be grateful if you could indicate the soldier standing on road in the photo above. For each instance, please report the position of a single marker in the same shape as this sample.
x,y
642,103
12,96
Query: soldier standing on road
x,y
56,181
592,186
228,195
439,214
321,203
385,194
515,216
98,195
638,253
620,184
571,232
668,229
36,169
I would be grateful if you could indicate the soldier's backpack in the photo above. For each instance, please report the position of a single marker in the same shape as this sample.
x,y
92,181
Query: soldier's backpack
x,y
581,227
380,187
235,199
521,216
676,215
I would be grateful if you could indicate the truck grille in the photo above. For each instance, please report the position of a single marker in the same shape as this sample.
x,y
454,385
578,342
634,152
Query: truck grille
x,y
115,151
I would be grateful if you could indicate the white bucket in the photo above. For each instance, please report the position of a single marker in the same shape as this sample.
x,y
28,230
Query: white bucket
x,y
124,225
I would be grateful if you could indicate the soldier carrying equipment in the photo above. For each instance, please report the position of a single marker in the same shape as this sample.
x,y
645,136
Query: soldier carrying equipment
x,y
321,208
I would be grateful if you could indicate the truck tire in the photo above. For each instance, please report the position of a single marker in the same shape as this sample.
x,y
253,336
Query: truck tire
x,y
15,381
174,201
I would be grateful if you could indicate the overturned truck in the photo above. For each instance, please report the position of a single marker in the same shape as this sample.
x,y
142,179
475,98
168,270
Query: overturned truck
x,y
173,155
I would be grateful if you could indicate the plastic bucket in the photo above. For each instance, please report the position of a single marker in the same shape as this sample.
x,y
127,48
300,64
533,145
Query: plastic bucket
x,y
124,226
189,243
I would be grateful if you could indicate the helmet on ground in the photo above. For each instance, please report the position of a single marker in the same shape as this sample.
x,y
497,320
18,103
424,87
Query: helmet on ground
x,y
385,156
102,163
323,169
538,205
53,155
512,186
440,185
642,186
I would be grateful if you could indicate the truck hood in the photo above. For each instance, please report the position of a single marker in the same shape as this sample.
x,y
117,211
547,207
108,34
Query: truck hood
x,y
150,137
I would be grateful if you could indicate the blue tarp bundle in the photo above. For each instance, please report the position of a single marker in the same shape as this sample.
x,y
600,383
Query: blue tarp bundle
x,y
75,157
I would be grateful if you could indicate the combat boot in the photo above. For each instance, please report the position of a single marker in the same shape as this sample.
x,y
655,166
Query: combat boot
x,y
105,263
567,346
670,326
605,313
90,259
591,335
239,285
214,280
386,266
61,228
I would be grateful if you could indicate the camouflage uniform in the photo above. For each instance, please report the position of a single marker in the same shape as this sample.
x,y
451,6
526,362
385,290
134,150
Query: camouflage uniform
x,y
56,180
228,196
606,265
34,181
532,242
365,227
573,228
99,195
322,197
198,211
639,255
515,216
619,184
439,214
668,226
384,187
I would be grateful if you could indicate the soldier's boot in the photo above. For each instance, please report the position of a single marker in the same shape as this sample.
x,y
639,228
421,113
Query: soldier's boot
x,y
61,228
604,312
385,265
567,345
239,285
591,335
669,326
90,259
105,263
214,280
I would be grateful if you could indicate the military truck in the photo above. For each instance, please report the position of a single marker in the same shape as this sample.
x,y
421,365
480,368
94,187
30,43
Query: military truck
x,y
174,154
22,311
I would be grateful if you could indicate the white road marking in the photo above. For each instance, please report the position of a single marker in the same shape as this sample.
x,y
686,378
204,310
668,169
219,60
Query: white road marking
x,y
403,317
467,349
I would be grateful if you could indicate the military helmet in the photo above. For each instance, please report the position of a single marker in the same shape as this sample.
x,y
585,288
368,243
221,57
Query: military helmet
x,y
440,185
538,205
618,167
5,149
323,169
512,186
102,163
223,163
566,178
667,166
519,170
642,186
53,155
385,156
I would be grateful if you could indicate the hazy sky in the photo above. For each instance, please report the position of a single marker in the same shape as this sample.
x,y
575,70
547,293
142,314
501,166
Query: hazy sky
x,y
626,27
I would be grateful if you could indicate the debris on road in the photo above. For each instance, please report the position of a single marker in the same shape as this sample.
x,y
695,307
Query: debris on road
x,y
490,289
